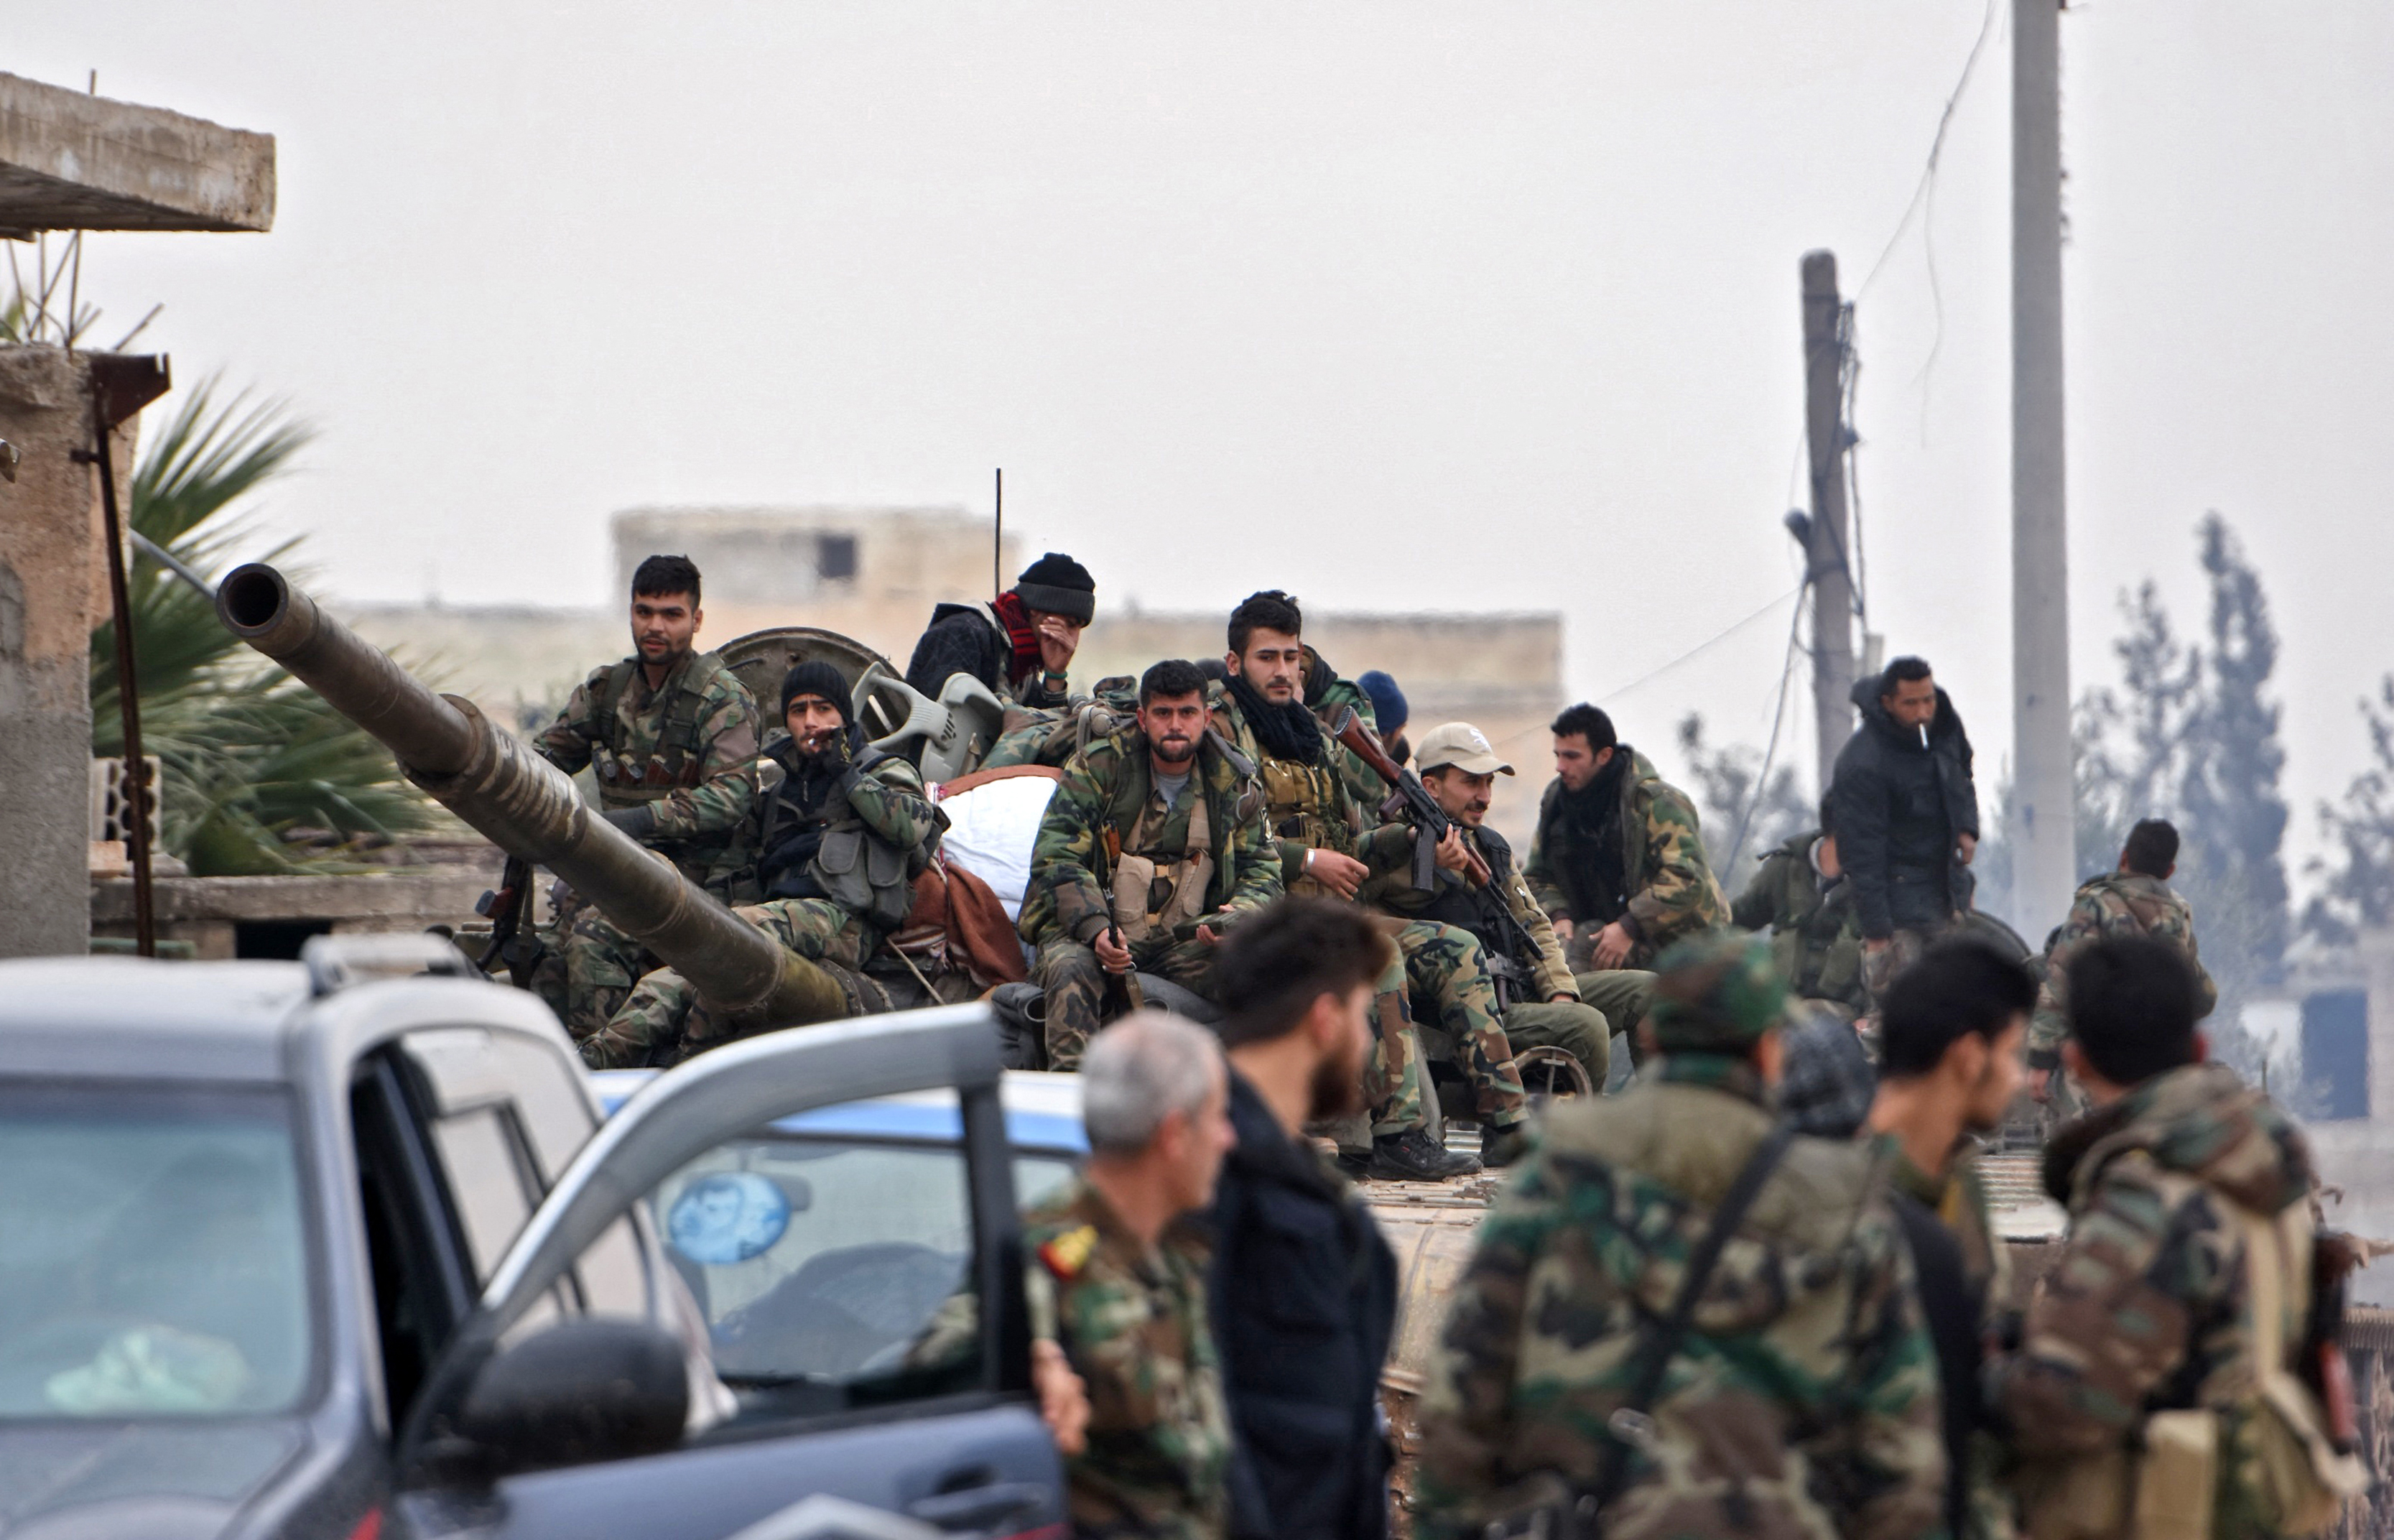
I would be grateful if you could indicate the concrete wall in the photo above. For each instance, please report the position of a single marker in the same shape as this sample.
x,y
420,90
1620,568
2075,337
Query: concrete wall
x,y
53,588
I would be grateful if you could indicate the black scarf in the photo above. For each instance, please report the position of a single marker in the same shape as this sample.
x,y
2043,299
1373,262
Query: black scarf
x,y
1282,732
1592,817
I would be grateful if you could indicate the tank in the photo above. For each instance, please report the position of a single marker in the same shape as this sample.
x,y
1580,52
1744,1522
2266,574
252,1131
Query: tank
x,y
528,806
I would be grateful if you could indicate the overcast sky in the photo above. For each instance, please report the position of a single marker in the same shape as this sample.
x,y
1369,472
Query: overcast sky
x,y
1393,305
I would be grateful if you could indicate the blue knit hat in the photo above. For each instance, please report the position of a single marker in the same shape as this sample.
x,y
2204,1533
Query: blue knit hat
x,y
1388,702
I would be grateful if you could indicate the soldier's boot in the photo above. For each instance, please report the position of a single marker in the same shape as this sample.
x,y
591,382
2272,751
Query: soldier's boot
x,y
1501,1147
1413,1156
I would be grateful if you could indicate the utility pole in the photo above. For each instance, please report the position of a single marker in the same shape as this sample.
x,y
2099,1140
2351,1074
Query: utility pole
x,y
1829,537
2046,868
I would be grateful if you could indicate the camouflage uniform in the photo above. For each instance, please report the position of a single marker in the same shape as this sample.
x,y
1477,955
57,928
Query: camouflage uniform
x,y
686,750
2117,903
1533,1017
1109,790
1803,1401
2148,1306
1310,807
1051,738
1814,933
1959,1201
878,798
1667,891
1132,1319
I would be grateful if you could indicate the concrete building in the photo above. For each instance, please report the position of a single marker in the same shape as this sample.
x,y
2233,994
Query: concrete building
x,y
71,161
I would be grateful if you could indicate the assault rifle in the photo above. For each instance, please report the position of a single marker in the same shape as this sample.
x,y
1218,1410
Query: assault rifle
x,y
1431,825
504,908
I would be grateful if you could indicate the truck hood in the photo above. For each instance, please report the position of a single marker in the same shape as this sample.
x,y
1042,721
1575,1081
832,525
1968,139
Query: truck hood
x,y
157,1480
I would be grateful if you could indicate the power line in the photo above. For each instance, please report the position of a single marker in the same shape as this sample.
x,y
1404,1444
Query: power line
x,y
1702,646
1770,751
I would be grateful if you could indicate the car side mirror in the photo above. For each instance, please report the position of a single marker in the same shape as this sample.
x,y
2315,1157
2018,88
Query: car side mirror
x,y
580,1391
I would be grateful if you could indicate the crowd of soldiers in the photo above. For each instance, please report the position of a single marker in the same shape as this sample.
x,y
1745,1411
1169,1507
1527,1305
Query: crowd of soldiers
x,y
1757,1291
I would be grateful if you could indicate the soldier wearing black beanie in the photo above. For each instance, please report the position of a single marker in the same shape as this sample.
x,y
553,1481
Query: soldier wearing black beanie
x,y
1019,644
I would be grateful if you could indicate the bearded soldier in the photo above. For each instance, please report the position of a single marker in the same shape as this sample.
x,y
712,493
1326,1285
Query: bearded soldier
x,y
1325,849
671,735
832,852
1537,995
1154,845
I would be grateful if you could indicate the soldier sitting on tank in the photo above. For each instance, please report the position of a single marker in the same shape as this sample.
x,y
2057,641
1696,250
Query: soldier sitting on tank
x,y
1329,844
1537,998
1800,895
1019,644
831,851
1154,845
670,734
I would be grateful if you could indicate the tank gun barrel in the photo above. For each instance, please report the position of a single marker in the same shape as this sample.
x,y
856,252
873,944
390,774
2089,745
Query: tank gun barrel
x,y
526,806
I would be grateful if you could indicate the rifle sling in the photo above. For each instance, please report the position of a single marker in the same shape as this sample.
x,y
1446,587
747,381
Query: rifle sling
x,y
1663,1345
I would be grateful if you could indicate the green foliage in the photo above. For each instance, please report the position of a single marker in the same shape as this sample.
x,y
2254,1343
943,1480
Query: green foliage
x,y
2357,888
249,753
2191,735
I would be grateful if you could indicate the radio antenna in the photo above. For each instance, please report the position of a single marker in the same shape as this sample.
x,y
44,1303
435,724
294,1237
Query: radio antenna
x,y
997,540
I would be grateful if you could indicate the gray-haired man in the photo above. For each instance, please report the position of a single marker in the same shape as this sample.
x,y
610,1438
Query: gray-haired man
x,y
1124,1291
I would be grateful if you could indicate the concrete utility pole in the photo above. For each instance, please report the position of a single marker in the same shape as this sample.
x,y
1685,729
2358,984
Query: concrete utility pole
x,y
1829,542
2045,867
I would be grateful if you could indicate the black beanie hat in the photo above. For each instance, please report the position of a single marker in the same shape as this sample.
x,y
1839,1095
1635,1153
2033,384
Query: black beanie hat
x,y
1060,585
817,677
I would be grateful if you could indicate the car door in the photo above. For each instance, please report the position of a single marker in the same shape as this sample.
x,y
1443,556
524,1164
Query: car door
x,y
879,1372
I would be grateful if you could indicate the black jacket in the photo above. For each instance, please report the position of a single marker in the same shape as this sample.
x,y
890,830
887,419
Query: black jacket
x,y
1898,808
1304,1307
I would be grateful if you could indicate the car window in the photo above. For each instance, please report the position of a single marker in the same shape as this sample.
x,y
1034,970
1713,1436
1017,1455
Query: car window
x,y
833,1270
153,1258
480,1159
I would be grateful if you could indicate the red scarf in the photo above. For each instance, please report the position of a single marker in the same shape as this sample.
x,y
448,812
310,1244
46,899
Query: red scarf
x,y
1015,616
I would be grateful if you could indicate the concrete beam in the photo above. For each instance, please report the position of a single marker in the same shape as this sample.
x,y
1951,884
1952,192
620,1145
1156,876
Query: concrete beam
x,y
69,161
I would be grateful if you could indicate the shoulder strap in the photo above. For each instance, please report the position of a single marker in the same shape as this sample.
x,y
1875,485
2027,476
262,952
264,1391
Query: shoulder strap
x,y
602,714
678,734
1629,1425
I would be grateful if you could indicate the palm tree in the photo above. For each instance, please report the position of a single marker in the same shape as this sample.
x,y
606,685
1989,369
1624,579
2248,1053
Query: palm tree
x,y
250,756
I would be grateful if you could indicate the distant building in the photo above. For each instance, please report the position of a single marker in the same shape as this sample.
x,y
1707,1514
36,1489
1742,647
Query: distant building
x,y
875,573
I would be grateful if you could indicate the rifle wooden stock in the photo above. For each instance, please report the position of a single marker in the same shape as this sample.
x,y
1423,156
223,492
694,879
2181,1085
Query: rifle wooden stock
x,y
1429,816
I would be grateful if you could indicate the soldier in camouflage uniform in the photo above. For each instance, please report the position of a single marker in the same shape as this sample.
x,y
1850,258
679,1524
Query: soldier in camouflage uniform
x,y
1156,834
1121,1289
827,860
2136,900
1051,738
1618,864
671,735
1950,1066
2177,1310
1328,846
1537,998
1799,895
1803,1399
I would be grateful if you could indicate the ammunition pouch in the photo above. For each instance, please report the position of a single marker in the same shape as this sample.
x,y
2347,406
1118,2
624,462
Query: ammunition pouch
x,y
1134,880
866,876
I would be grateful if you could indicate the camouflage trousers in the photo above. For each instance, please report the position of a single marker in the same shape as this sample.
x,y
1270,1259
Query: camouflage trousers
x,y
1442,966
1577,1028
586,967
1073,986
1623,994
1882,968
663,1007
1392,1074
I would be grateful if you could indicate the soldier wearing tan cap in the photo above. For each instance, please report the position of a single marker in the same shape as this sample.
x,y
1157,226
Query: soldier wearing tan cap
x,y
1540,1004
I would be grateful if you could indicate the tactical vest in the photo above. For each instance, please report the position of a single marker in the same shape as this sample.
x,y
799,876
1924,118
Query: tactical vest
x,y
1475,909
1152,891
679,759
853,867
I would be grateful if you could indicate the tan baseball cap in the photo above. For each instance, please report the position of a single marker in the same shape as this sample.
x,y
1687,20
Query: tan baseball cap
x,y
1461,746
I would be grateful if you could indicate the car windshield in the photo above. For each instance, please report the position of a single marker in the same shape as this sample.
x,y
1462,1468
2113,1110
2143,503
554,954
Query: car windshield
x,y
152,1254
834,1271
